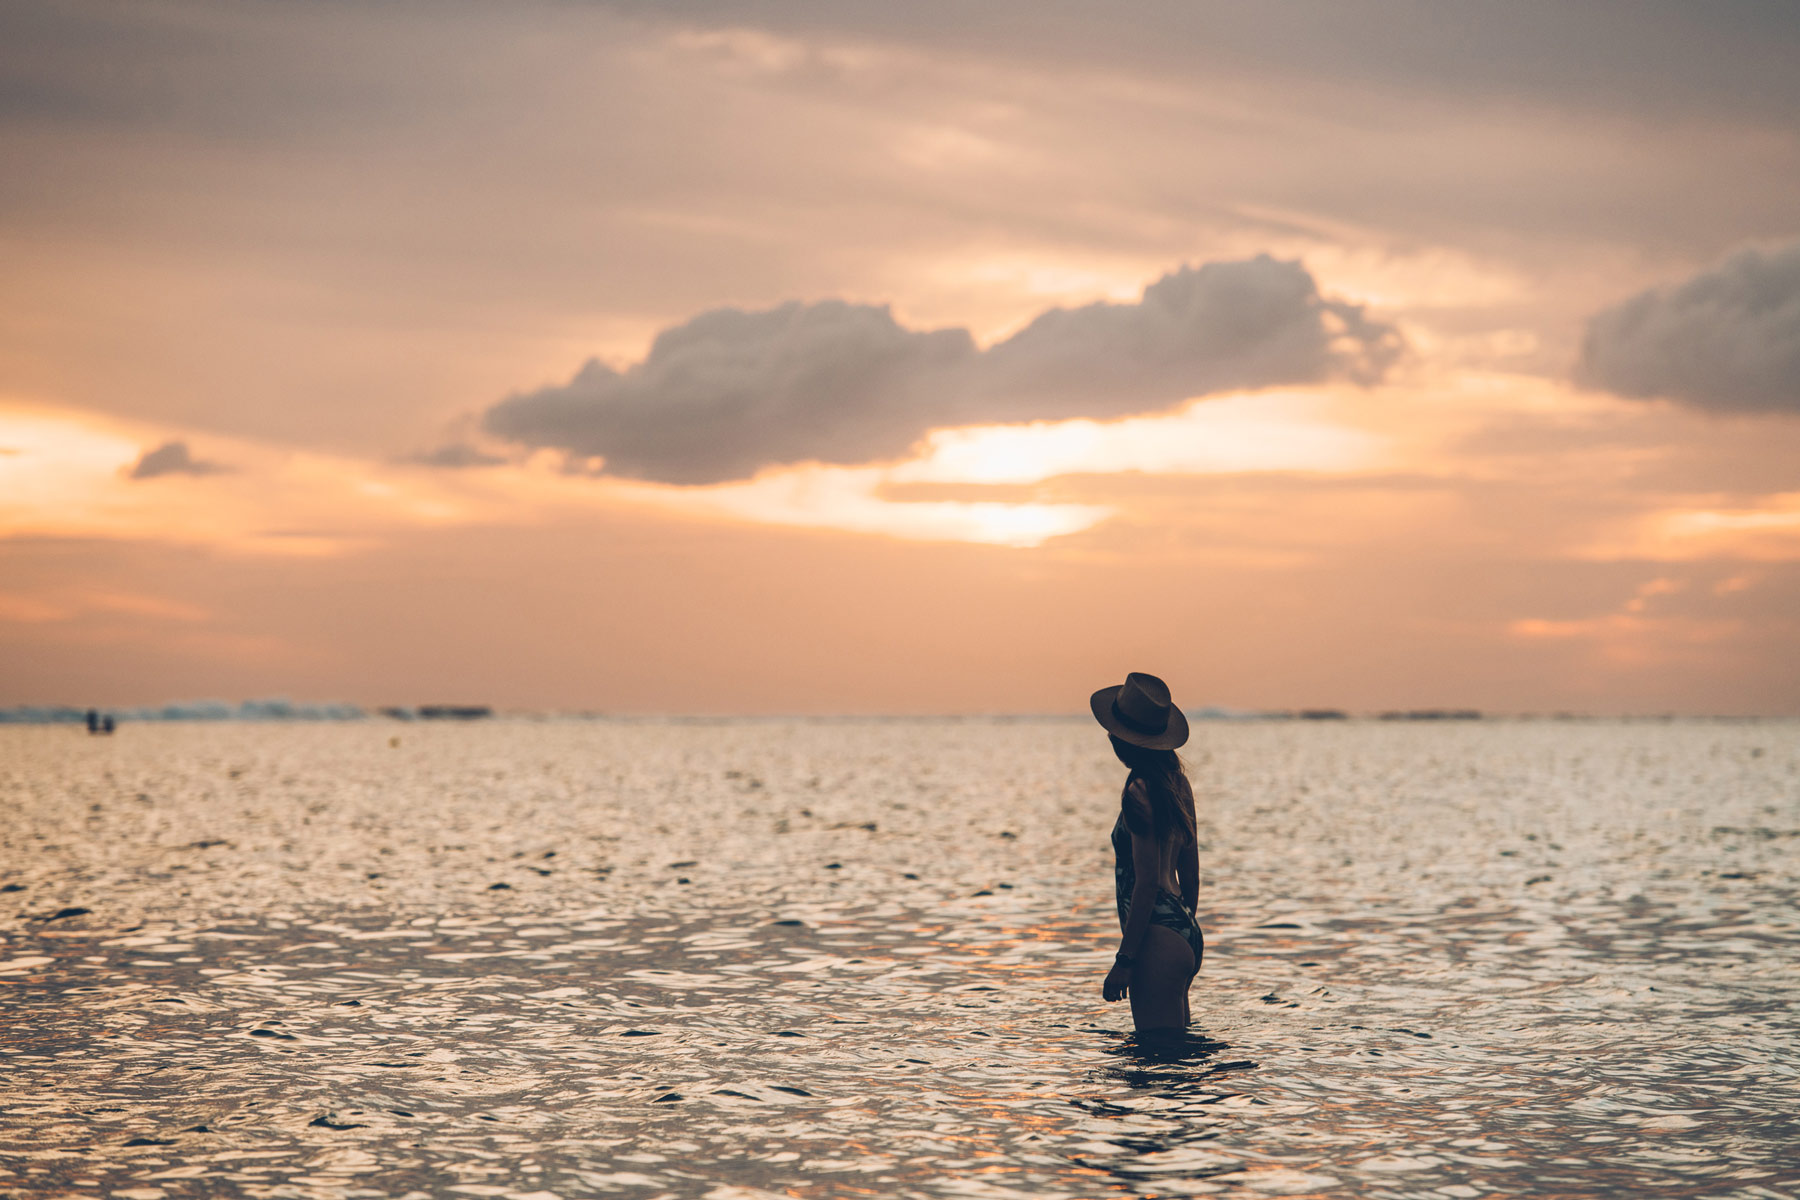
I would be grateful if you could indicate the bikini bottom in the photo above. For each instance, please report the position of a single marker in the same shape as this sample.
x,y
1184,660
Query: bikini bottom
x,y
1171,913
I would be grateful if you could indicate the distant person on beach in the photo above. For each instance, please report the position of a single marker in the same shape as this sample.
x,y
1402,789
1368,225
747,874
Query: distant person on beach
x,y
1156,861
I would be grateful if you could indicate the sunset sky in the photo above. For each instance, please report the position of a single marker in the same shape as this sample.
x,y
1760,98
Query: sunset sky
x,y
864,357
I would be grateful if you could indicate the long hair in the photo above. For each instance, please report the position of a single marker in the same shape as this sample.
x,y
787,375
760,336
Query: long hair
x,y
1171,797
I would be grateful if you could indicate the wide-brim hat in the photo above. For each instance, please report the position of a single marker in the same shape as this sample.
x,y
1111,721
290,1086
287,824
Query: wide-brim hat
x,y
1139,711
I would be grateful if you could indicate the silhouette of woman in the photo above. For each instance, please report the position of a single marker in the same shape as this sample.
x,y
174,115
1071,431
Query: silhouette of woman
x,y
1156,863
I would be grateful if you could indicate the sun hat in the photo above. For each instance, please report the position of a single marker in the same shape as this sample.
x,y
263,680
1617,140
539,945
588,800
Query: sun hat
x,y
1139,711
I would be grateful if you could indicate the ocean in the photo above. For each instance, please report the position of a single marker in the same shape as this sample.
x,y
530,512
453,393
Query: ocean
x,y
736,959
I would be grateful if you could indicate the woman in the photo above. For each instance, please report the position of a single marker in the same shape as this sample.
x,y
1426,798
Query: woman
x,y
1156,863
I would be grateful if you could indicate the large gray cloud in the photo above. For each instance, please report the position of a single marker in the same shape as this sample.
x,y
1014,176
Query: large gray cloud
x,y
730,392
172,458
1727,339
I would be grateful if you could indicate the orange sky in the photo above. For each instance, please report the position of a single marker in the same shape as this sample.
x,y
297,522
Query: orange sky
x,y
1468,373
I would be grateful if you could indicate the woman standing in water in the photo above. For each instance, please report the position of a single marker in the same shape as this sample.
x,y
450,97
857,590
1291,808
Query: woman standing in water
x,y
1156,862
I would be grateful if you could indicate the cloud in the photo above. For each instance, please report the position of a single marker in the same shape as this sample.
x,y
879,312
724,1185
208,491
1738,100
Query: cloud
x,y
1653,56
731,392
456,455
172,458
1727,339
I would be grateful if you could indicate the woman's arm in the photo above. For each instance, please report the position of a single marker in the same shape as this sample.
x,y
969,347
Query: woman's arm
x,y
1187,870
1146,866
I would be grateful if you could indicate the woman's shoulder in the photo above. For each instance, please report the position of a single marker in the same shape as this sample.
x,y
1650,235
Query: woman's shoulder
x,y
1134,806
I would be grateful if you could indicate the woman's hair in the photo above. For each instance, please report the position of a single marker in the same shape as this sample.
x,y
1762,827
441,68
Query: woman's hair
x,y
1171,799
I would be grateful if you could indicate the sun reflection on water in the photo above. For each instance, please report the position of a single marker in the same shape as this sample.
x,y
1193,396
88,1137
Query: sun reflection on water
x,y
1501,959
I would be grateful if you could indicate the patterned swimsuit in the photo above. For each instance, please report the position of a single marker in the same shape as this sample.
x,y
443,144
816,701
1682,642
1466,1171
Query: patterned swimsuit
x,y
1169,911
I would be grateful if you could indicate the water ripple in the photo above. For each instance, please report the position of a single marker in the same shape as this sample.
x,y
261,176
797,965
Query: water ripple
x,y
737,960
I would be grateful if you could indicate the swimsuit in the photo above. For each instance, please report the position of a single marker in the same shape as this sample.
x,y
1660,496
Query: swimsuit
x,y
1169,911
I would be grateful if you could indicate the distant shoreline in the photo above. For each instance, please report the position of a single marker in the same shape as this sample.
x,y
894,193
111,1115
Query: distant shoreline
x,y
285,712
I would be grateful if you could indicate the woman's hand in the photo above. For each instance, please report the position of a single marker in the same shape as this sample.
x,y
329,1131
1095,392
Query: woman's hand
x,y
1118,982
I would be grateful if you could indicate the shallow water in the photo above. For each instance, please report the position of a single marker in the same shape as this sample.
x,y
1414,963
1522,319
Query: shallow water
x,y
863,958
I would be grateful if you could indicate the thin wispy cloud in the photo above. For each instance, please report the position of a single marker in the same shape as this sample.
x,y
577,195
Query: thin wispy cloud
x,y
173,458
455,456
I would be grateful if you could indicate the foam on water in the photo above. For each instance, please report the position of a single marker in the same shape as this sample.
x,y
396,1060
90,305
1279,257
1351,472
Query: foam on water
x,y
791,958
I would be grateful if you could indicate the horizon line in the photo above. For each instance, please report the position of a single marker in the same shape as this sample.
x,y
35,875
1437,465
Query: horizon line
x,y
283,711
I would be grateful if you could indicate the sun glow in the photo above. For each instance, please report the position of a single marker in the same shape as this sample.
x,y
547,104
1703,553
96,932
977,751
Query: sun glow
x,y
68,475
849,499
1264,431
1767,532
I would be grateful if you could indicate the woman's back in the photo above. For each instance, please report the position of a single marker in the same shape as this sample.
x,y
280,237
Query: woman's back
x,y
1137,816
